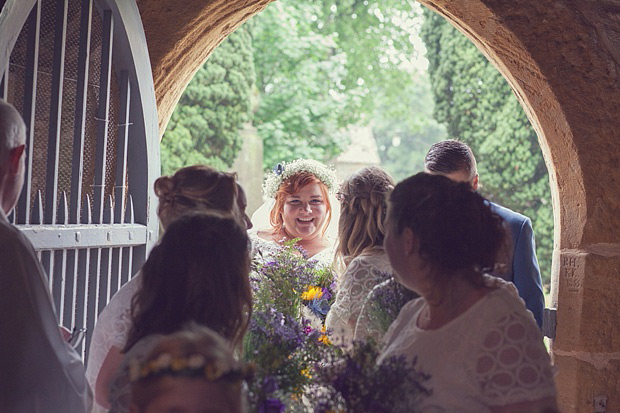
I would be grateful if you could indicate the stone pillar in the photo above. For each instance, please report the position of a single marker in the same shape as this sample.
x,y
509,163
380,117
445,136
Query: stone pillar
x,y
249,167
587,349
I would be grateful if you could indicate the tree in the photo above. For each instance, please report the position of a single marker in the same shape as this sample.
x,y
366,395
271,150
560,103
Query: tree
x,y
478,107
324,65
405,133
204,127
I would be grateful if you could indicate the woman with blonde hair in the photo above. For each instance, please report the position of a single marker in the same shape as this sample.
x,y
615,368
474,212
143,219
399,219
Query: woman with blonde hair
x,y
361,231
196,187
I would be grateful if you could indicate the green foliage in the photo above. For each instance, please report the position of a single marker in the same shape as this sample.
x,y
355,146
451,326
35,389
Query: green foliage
x,y
323,65
297,75
204,127
404,130
478,107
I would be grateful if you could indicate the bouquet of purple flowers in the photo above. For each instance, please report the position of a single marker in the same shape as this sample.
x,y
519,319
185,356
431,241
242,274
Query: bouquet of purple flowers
x,y
288,280
286,338
383,305
284,350
353,381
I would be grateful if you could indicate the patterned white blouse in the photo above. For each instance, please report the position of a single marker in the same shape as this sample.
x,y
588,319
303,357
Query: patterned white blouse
x,y
491,355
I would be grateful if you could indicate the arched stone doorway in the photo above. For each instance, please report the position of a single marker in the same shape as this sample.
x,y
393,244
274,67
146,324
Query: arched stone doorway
x,y
562,61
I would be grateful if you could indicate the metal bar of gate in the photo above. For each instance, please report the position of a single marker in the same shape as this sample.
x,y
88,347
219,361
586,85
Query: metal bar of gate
x,y
79,130
89,297
30,101
78,260
103,114
120,190
128,255
64,303
50,205
105,256
53,143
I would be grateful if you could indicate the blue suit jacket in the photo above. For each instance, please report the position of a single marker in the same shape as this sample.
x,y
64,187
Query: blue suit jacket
x,y
525,273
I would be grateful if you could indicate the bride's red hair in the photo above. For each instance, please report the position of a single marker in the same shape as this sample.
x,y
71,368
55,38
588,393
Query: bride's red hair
x,y
291,186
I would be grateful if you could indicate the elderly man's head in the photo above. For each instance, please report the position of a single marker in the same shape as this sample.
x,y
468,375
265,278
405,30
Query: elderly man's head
x,y
12,145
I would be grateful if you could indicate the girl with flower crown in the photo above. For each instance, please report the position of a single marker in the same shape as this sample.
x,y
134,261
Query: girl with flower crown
x,y
191,370
299,207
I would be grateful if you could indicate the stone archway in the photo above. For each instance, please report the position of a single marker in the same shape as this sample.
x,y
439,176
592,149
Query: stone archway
x,y
562,60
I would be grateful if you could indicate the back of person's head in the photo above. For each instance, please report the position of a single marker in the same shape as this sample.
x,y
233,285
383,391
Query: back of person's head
x,y
291,186
12,129
195,187
193,368
455,227
198,272
449,157
12,146
363,207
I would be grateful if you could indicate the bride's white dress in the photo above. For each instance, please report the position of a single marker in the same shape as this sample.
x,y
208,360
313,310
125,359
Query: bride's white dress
x,y
269,248
361,276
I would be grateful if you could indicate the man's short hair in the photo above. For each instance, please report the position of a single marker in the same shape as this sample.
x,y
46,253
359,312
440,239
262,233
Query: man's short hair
x,y
450,156
12,129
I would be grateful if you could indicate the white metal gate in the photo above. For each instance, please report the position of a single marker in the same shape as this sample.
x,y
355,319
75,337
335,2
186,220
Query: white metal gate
x,y
78,72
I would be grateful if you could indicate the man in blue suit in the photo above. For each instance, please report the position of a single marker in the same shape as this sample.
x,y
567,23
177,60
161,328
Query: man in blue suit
x,y
455,160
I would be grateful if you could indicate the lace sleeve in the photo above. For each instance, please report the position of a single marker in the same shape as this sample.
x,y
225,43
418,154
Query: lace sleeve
x,y
513,365
111,329
354,286
368,325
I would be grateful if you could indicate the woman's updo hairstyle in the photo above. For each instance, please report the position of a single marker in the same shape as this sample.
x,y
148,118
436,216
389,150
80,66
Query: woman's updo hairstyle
x,y
455,226
197,186
363,208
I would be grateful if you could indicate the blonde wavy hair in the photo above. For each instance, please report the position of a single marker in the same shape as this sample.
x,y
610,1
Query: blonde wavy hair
x,y
363,209
195,187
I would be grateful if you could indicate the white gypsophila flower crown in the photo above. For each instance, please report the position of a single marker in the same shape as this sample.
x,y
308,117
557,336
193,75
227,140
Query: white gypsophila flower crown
x,y
285,170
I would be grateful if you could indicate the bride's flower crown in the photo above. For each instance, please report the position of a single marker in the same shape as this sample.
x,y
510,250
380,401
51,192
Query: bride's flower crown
x,y
285,170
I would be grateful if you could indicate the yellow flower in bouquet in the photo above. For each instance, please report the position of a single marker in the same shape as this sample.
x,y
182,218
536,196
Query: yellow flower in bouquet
x,y
312,293
324,339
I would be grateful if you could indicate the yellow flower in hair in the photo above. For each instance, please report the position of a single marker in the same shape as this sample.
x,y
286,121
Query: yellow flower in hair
x,y
312,293
178,364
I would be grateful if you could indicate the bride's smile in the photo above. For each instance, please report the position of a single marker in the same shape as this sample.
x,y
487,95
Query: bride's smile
x,y
304,212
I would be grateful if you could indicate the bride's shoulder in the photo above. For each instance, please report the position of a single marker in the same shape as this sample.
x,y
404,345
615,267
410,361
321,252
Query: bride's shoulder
x,y
264,234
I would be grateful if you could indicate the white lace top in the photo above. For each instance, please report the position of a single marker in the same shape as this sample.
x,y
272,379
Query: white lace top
x,y
360,277
491,355
112,328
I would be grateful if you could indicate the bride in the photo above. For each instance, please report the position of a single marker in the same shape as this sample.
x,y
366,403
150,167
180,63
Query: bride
x,y
299,207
